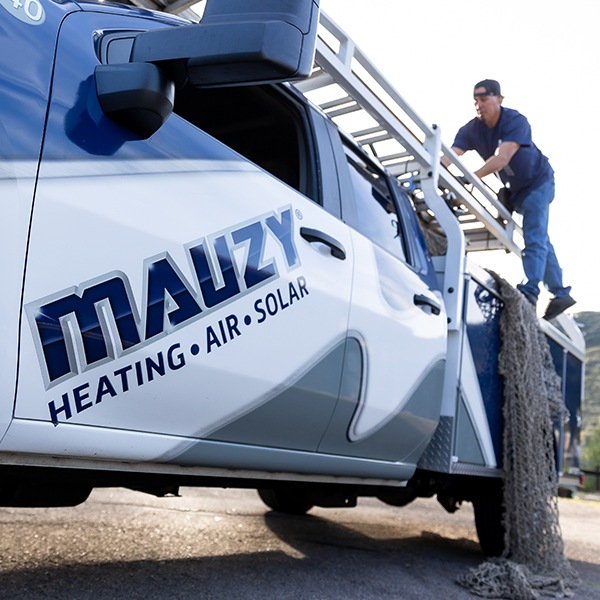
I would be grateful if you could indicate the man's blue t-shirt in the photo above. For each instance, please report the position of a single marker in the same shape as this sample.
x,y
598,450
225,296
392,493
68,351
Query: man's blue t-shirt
x,y
528,168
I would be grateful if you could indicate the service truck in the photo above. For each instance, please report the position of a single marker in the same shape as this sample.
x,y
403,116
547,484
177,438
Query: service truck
x,y
209,278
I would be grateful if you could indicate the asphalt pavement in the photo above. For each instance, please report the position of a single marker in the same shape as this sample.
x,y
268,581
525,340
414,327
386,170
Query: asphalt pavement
x,y
226,545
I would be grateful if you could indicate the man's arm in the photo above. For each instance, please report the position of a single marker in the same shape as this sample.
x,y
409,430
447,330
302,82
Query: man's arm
x,y
446,161
504,152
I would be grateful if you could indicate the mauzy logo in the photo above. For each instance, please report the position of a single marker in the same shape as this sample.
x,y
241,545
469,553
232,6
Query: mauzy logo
x,y
89,325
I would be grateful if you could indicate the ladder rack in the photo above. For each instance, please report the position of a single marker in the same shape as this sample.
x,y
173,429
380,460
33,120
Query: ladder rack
x,y
352,92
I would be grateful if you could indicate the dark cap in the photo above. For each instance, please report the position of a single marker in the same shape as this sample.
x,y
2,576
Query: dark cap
x,y
492,88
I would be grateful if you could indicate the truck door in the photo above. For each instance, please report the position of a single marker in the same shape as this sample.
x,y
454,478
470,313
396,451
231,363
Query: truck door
x,y
397,322
173,286
24,47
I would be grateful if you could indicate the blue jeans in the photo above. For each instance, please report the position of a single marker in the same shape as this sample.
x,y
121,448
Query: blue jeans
x,y
539,259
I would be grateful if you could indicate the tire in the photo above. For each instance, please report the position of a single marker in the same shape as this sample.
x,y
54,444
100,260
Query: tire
x,y
489,514
289,501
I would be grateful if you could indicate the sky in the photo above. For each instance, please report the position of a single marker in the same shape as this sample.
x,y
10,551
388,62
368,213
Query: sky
x,y
546,56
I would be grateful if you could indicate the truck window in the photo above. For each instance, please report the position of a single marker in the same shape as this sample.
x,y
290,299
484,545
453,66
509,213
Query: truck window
x,y
375,214
261,123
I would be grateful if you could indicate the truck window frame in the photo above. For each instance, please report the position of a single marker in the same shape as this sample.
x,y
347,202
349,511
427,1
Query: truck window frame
x,y
257,122
361,170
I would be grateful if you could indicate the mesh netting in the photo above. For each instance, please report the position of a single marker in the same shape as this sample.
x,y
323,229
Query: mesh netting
x,y
533,562
436,241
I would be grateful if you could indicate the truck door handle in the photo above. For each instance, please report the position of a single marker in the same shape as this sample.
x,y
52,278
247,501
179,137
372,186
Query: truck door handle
x,y
314,235
422,300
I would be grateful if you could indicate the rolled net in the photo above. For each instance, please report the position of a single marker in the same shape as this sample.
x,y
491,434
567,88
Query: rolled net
x,y
533,563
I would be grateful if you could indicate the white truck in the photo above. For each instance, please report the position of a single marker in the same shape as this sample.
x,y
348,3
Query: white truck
x,y
208,282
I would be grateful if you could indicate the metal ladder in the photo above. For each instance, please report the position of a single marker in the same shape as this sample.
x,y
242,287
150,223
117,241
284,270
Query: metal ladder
x,y
352,92
363,103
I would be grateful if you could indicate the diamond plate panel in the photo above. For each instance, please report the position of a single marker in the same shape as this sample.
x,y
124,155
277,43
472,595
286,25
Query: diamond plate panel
x,y
438,454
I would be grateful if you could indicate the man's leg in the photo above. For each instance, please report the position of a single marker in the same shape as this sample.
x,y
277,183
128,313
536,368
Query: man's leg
x,y
553,281
553,275
535,210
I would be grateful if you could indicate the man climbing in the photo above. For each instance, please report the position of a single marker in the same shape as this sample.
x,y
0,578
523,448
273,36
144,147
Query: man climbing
x,y
502,137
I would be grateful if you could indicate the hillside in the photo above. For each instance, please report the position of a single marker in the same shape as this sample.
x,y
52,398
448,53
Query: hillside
x,y
590,325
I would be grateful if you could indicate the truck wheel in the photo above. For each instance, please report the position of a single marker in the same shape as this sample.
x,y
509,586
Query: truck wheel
x,y
289,501
489,512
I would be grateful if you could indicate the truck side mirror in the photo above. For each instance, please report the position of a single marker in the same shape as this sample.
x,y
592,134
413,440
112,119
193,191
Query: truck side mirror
x,y
138,96
237,42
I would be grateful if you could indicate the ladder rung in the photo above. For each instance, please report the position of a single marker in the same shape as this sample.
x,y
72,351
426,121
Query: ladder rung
x,y
344,100
397,156
409,166
344,110
373,139
480,244
368,131
467,217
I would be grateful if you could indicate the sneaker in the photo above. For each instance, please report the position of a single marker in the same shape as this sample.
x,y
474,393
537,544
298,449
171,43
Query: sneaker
x,y
556,306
